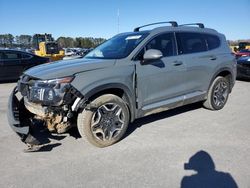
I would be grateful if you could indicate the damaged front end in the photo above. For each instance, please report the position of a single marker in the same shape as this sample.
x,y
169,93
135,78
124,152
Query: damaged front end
x,y
53,102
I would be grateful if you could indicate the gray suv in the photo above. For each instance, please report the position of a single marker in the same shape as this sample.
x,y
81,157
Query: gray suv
x,y
130,76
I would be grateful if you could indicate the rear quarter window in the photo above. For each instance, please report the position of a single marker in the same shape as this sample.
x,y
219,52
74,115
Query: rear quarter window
x,y
26,56
212,41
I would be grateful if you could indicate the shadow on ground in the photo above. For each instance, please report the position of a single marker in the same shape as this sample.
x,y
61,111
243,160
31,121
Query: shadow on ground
x,y
51,140
243,79
155,117
206,176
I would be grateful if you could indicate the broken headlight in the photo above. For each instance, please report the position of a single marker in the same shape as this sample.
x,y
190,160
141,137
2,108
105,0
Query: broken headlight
x,y
49,92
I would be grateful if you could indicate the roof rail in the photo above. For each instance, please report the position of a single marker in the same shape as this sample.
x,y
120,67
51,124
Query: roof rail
x,y
201,25
173,23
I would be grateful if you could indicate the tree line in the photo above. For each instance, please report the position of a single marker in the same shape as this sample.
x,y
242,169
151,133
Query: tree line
x,y
236,42
26,41
79,42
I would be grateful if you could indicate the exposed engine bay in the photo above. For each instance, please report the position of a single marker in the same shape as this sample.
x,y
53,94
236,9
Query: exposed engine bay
x,y
53,102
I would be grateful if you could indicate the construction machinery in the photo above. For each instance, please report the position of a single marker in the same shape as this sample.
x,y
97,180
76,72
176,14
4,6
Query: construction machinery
x,y
45,46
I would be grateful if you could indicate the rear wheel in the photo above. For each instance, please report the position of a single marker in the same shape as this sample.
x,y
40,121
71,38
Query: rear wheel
x,y
217,94
106,122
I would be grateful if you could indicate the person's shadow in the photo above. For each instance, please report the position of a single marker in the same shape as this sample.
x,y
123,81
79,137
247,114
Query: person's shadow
x,y
206,176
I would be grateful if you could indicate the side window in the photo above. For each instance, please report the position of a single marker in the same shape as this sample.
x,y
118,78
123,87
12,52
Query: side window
x,y
190,43
11,55
212,41
165,43
26,56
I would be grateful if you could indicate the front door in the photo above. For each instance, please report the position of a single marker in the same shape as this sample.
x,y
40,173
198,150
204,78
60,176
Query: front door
x,y
162,81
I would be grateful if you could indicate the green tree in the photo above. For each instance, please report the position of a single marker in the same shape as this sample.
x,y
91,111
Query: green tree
x,y
6,40
25,40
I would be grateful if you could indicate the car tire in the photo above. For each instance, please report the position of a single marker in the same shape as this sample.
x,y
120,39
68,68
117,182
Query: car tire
x,y
217,94
105,121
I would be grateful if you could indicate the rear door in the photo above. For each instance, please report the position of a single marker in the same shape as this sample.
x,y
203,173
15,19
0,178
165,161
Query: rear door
x,y
193,51
161,80
11,65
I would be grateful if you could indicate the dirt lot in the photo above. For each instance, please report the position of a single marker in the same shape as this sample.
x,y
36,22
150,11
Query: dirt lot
x,y
151,155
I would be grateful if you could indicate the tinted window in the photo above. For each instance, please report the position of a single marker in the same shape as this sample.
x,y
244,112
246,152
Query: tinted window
x,y
165,43
212,41
11,55
26,56
190,43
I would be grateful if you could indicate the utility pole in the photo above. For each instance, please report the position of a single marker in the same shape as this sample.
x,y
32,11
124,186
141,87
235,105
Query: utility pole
x,y
118,20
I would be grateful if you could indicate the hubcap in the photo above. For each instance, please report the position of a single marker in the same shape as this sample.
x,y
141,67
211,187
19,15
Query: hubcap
x,y
107,122
220,94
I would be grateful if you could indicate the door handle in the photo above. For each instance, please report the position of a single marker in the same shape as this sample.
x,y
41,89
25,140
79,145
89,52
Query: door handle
x,y
177,63
212,58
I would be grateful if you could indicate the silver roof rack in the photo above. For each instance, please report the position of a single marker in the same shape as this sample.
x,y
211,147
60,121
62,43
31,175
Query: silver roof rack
x,y
173,24
201,25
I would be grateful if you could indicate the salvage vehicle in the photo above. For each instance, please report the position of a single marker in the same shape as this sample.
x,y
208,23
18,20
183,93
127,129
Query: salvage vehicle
x,y
132,75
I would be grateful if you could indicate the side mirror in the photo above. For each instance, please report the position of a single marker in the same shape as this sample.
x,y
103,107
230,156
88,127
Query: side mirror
x,y
151,55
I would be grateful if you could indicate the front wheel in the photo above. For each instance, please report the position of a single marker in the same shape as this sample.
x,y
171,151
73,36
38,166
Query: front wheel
x,y
217,94
106,122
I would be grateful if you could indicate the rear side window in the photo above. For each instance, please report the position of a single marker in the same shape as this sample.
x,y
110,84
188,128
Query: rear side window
x,y
212,41
26,56
190,43
11,55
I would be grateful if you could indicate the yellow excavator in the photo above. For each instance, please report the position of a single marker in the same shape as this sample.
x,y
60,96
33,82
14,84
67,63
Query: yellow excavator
x,y
47,47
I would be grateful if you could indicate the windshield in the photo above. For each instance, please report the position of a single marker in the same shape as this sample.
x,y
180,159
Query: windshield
x,y
117,47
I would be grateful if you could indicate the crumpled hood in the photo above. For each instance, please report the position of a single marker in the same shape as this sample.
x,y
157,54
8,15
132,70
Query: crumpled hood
x,y
64,68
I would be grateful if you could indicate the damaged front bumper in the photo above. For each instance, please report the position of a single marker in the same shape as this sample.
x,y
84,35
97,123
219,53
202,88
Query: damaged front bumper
x,y
20,119
34,101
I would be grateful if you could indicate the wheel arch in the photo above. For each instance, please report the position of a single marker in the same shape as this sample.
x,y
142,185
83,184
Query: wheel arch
x,y
224,72
117,89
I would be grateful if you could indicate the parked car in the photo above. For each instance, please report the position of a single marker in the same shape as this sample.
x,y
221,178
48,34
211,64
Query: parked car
x,y
69,52
14,62
243,67
72,57
243,53
132,75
